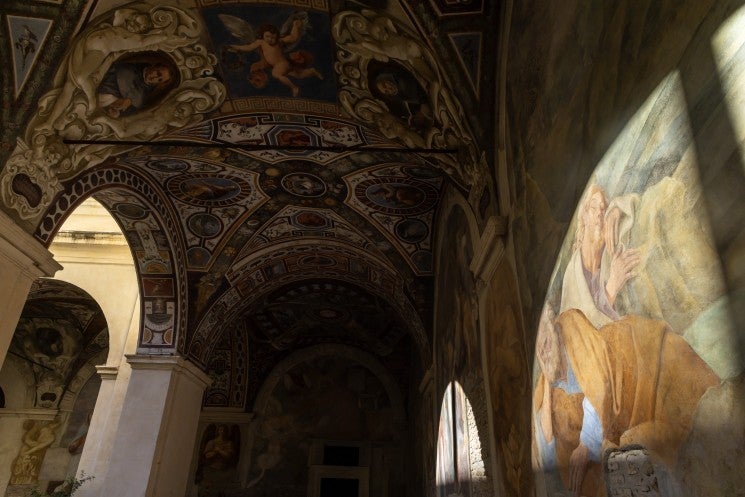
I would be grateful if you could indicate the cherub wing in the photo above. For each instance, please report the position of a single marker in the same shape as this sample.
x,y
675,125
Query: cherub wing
x,y
238,27
287,27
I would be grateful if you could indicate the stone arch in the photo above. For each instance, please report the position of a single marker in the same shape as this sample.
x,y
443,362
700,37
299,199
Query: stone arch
x,y
306,373
106,183
229,306
305,355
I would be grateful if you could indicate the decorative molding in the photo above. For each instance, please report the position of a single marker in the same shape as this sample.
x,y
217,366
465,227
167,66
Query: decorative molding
x,y
489,251
40,414
74,109
173,363
226,415
427,380
24,251
107,372
368,38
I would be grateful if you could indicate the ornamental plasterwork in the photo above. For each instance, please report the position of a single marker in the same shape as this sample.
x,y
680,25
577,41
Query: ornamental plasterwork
x,y
368,39
77,108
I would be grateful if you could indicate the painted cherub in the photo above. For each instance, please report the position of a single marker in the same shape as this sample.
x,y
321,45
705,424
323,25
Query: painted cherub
x,y
276,48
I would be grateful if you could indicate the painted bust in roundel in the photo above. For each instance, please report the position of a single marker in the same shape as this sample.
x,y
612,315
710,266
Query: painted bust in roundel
x,y
135,82
402,94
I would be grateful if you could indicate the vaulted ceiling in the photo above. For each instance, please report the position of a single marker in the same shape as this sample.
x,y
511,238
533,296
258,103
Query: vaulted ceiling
x,y
271,201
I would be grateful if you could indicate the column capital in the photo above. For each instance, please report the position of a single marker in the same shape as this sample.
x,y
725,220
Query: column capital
x,y
107,372
175,363
24,250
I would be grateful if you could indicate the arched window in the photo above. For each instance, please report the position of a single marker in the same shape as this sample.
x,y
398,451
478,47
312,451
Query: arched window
x,y
460,467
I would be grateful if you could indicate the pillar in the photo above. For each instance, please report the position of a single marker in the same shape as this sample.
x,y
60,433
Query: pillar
x,y
156,432
22,260
99,440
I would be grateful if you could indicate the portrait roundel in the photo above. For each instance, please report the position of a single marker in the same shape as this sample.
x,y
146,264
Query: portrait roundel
x,y
401,92
310,220
131,211
303,185
204,225
136,82
412,230
397,195
208,190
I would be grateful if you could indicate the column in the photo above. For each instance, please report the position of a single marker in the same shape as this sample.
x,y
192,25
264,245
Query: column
x,y
22,260
102,429
157,429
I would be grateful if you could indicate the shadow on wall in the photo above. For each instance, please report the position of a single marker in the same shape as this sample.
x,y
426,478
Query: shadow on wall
x,y
639,350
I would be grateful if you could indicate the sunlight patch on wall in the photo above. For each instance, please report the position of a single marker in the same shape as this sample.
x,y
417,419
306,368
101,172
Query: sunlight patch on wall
x,y
728,46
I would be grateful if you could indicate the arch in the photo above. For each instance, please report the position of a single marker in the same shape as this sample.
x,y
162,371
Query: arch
x,y
105,182
344,351
460,463
102,250
247,288
459,313
17,381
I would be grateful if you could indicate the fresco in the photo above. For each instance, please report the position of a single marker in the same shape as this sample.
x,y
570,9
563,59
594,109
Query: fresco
x,y
329,397
289,129
118,79
28,35
273,50
228,368
456,336
326,312
401,201
401,93
37,437
79,421
508,370
219,452
457,363
633,342
60,328
135,82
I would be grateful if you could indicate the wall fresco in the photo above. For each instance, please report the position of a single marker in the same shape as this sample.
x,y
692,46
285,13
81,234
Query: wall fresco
x,y
329,398
508,370
634,342
458,374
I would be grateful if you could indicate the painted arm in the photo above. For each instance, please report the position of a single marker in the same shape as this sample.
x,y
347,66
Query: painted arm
x,y
249,47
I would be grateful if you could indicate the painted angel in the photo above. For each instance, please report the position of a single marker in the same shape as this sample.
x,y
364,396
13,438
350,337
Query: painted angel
x,y
276,48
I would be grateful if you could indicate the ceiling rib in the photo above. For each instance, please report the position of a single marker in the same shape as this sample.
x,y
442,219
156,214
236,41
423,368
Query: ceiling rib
x,y
250,147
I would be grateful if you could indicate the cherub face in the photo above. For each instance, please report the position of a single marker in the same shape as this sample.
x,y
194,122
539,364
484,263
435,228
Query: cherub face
x,y
138,23
270,38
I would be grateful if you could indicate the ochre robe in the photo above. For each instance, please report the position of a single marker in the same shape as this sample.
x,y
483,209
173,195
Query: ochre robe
x,y
644,381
